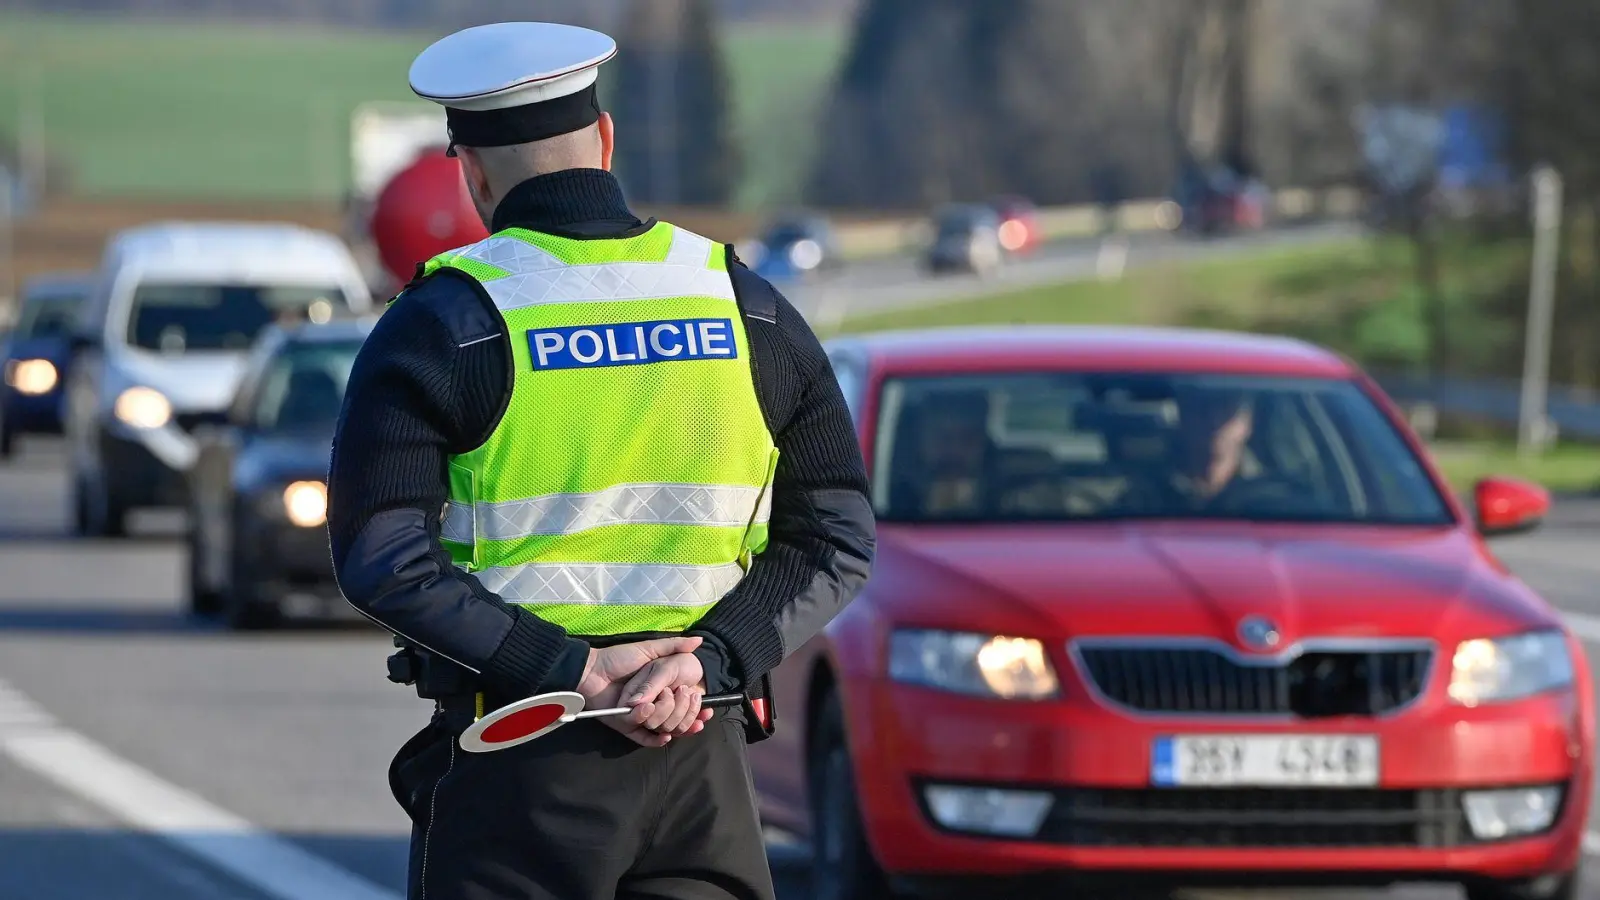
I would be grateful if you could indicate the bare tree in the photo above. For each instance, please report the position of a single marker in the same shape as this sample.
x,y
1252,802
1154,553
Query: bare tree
x,y
670,97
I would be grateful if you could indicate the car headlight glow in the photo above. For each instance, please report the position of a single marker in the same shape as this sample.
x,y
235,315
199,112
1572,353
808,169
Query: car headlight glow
x,y
1485,670
805,255
143,407
1012,668
306,503
1013,234
31,376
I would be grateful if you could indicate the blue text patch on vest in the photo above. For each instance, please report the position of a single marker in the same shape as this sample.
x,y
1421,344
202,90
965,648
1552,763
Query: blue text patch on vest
x,y
631,343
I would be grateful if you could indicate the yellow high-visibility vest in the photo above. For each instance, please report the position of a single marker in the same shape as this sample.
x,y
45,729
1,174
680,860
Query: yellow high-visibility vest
x,y
628,483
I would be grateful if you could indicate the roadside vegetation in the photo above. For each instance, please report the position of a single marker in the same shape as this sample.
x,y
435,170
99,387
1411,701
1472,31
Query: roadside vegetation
x,y
1358,297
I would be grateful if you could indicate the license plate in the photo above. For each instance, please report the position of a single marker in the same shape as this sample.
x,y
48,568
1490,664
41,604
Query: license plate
x,y
1265,761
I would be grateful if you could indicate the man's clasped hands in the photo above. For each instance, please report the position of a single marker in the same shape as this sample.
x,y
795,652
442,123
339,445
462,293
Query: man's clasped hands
x,y
661,679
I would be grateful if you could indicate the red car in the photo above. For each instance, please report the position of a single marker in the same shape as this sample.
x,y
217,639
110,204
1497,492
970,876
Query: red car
x,y
1173,608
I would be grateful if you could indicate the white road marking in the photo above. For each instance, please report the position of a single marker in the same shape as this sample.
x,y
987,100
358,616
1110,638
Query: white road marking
x,y
777,837
1583,625
34,740
253,855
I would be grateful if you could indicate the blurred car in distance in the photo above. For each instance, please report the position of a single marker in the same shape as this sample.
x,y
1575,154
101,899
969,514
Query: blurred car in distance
x,y
966,238
258,543
163,343
793,247
36,355
1177,606
1019,224
1217,201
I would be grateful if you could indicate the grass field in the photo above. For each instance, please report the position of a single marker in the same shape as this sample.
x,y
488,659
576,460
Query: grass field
x,y
1169,294
1354,295
188,110
1565,468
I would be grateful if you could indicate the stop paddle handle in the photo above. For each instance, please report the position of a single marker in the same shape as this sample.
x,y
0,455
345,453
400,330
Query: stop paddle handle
x,y
520,722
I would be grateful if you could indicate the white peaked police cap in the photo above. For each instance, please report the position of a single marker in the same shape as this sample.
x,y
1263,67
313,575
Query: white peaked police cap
x,y
513,82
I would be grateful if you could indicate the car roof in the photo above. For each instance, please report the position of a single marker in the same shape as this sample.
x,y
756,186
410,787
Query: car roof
x,y
965,212
53,285
205,245
334,332
1090,348
797,219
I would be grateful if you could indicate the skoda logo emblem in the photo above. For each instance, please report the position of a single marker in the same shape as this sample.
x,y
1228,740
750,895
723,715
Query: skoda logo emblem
x,y
1258,633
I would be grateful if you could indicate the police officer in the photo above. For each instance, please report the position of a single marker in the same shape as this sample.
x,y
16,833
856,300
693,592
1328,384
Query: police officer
x,y
589,453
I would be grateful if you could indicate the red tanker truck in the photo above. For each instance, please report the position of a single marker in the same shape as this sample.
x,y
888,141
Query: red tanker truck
x,y
422,211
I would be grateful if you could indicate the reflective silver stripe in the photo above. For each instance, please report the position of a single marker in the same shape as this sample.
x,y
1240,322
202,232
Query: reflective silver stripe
x,y
688,249
616,583
624,504
764,509
539,278
457,523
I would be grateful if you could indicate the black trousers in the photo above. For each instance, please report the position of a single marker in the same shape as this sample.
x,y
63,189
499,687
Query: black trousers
x,y
583,814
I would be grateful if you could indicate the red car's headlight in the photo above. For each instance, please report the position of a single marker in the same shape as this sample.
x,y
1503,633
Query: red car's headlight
x,y
1485,670
983,665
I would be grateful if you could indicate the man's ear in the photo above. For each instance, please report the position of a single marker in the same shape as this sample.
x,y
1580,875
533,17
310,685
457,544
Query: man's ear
x,y
607,140
472,172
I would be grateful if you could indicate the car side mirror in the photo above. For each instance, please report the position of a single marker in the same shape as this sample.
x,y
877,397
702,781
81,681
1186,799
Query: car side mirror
x,y
1509,506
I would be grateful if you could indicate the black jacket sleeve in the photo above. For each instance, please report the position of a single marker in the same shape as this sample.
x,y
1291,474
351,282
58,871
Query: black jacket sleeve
x,y
822,534
431,380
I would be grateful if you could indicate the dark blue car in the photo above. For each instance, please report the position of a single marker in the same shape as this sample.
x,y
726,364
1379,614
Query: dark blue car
x,y
796,247
36,355
258,537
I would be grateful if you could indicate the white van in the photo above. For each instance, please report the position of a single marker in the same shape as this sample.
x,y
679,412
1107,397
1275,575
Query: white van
x,y
162,342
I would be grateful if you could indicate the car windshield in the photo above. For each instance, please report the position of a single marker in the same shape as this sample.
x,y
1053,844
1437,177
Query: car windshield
x,y
173,318
1088,446
962,221
303,387
49,315
790,233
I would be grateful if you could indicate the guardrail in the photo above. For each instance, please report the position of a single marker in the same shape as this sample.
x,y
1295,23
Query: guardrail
x,y
1573,412
862,240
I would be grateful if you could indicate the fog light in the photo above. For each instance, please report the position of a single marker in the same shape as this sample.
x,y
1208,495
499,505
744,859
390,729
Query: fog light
x,y
1509,813
988,810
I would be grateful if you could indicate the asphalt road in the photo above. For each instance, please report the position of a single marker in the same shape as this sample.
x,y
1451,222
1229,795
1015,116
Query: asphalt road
x,y
144,755
898,282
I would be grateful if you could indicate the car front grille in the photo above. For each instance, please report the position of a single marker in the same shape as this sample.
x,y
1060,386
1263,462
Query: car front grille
x,y
189,421
1253,817
1214,681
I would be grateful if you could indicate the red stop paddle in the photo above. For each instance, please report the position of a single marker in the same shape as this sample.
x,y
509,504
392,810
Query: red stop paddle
x,y
522,721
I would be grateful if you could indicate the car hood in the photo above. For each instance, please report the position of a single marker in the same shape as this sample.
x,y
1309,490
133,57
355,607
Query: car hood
x,y
276,458
1200,580
55,349
191,381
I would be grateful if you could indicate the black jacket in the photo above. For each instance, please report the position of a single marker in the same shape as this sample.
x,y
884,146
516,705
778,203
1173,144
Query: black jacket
x,y
433,380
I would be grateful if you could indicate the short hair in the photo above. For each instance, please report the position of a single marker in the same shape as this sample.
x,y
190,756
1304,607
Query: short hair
x,y
1211,407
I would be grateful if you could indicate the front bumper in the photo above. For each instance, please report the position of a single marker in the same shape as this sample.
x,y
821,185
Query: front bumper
x,y
136,476
289,566
30,413
1106,818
